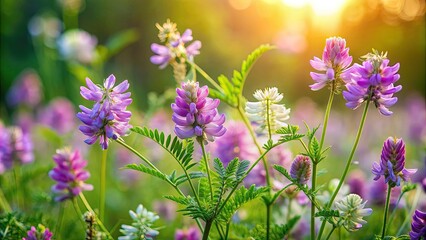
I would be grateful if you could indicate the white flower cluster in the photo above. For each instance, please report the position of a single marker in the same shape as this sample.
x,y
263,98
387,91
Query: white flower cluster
x,y
141,226
267,113
352,211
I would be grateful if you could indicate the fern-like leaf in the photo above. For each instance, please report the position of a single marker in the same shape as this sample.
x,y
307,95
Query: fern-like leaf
x,y
147,170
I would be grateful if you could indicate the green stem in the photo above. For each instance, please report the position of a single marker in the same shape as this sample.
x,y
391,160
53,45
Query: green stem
x,y
228,225
394,209
207,229
386,211
348,163
326,117
206,76
4,204
60,217
289,209
200,141
103,185
314,173
268,220
329,234
101,225
411,211
78,211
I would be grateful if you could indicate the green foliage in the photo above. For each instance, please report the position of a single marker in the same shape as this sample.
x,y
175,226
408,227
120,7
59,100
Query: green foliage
x,y
287,134
147,170
259,231
232,89
408,187
402,237
121,40
181,151
326,214
240,197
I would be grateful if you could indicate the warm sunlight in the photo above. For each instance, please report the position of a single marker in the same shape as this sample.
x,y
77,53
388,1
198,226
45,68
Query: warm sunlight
x,y
319,7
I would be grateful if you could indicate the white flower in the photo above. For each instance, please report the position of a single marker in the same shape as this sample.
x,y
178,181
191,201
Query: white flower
x,y
267,113
141,226
352,211
78,45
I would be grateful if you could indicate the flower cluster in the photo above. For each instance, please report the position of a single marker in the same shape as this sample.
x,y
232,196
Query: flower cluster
x,y
174,51
108,119
301,169
267,113
335,60
78,45
15,144
373,81
392,163
195,114
69,174
191,233
41,233
418,226
352,211
141,227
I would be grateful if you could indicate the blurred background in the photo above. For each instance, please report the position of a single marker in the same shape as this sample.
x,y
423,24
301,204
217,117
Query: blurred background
x,y
122,32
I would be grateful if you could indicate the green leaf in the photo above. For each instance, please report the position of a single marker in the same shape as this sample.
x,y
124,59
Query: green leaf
x,y
289,133
121,40
193,175
408,187
327,213
147,170
280,231
284,172
178,199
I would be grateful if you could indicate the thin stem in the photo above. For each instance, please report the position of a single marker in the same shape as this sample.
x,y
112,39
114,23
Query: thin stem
x,y
228,225
329,234
411,211
4,204
207,229
60,217
17,188
78,211
314,173
348,163
304,145
101,225
326,117
268,220
206,76
386,211
394,209
207,167
219,230
103,185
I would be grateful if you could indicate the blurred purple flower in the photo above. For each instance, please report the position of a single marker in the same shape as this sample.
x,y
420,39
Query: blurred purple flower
x,y
165,209
416,112
373,81
195,114
125,157
235,143
301,169
14,145
335,60
108,119
191,233
26,90
69,174
392,163
418,226
42,234
78,45
377,196
59,115
357,183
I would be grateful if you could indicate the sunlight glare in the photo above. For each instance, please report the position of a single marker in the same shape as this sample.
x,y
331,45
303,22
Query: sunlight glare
x,y
327,7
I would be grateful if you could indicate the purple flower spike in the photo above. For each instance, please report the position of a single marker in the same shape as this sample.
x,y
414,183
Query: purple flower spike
x,y
301,169
373,81
26,90
108,119
195,114
418,226
188,234
41,234
335,60
392,163
69,174
59,115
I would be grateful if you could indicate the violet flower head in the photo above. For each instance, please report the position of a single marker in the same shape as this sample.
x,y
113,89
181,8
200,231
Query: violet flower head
x,y
373,81
235,143
15,145
301,169
335,60
392,163
418,226
69,174
26,90
191,233
195,114
59,115
108,119
41,233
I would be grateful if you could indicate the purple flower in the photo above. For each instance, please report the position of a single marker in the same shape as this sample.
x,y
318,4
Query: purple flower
x,y
335,60
373,81
174,46
108,119
301,169
69,174
418,226
14,145
376,196
41,234
191,233
235,143
392,163
357,183
195,114
26,90
59,115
